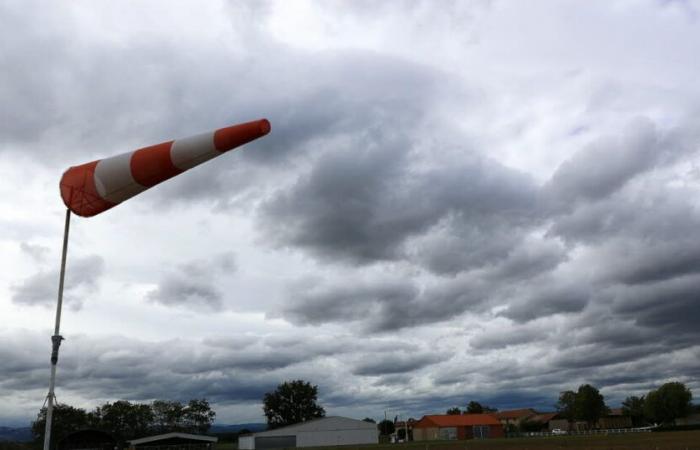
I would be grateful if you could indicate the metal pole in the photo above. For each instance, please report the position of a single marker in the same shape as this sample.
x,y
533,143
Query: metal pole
x,y
56,338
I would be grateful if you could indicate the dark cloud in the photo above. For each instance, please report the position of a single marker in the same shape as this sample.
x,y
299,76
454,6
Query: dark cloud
x,y
362,206
192,285
82,277
546,299
119,367
652,212
606,165
668,306
319,303
382,305
530,258
396,362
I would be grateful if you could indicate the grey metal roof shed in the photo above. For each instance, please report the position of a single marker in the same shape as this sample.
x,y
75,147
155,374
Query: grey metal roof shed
x,y
180,441
325,431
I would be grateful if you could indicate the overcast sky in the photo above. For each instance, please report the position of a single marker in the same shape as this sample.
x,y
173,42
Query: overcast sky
x,y
483,200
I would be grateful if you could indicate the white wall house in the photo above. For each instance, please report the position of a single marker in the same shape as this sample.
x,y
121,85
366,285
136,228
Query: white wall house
x,y
325,431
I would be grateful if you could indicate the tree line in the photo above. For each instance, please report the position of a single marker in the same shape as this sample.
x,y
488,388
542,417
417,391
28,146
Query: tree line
x,y
660,406
663,405
296,401
473,407
125,420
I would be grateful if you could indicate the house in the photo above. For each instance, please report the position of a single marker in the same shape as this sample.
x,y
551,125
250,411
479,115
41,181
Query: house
x,y
614,419
514,417
453,427
545,419
174,441
693,419
401,428
561,423
326,431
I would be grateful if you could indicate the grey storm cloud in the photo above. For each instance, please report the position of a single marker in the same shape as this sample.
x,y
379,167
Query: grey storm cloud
x,y
315,304
548,299
382,306
485,221
118,367
361,206
663,306
192,285
604,166
396,363
83,275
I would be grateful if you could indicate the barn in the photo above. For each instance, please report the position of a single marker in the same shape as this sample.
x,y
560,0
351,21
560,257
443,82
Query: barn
x,y
453,427
174,441
326,431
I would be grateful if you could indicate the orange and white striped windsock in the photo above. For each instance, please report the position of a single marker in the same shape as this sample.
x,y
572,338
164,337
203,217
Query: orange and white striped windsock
x,y
97,186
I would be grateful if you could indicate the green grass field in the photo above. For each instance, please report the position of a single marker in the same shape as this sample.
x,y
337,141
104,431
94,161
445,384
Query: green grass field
x,y
678,440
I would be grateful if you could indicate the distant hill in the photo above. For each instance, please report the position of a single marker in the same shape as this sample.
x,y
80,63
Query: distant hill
x,y
21,434
238,427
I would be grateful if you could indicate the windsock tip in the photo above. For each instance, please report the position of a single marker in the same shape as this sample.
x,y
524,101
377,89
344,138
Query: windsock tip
x,y
265,126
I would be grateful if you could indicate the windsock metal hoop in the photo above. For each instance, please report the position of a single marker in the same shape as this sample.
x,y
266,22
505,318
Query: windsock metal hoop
x,y
97,186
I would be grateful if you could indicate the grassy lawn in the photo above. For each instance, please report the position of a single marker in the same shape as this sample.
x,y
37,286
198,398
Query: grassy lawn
x,y
678,440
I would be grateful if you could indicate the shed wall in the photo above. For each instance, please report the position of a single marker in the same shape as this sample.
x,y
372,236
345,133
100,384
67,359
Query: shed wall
x,y
337,437
425,434
246,443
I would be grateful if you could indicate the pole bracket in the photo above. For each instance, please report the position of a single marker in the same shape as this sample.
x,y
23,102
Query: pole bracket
x,y
56,343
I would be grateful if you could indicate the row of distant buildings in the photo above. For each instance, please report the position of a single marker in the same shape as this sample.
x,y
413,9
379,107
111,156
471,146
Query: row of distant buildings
x,y
497,424
338,431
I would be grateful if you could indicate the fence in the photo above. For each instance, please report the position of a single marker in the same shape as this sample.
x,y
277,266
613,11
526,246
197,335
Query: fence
x,y
580,432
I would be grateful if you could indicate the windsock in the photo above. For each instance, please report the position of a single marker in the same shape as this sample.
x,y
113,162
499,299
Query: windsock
x,y
97,186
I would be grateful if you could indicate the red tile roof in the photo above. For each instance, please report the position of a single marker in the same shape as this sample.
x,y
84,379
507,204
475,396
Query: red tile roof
x,y
616,412
455,420
543,417
515,413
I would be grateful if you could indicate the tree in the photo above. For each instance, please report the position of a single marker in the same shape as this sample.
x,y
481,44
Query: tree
x,y
634,407
65,420
589,405
125,420
369,419
474,408
386,427
454,411
565,406
198,416
292,402
667,403
401,433
168,416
